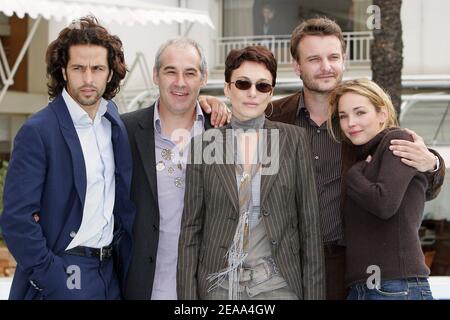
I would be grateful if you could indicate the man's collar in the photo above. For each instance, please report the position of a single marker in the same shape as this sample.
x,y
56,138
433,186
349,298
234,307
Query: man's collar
x,y
302,107
301,102
199,116
79,115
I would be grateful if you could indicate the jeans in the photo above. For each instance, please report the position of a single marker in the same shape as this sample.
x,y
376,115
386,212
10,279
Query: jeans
x,y
398,289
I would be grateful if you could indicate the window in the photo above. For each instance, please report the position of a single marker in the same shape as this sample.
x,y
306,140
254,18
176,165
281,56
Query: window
x,y
4,26
280,17
271,22
428,118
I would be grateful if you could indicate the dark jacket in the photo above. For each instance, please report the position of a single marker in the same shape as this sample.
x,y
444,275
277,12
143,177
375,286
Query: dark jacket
x,y
144,194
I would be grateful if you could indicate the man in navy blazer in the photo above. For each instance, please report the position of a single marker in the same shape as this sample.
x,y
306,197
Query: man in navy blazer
x,y
67,216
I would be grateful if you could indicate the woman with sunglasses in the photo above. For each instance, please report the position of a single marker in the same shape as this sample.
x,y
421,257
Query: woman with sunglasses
x,y
383,198
250,227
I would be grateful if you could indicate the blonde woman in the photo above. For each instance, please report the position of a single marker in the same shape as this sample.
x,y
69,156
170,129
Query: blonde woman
x,y
383,199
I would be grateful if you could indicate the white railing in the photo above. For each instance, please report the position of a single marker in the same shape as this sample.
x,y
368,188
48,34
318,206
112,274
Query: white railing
x,y
279,45
358,47
126,99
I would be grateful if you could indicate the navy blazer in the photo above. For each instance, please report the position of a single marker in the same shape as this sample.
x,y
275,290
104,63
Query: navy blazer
x,y
47,175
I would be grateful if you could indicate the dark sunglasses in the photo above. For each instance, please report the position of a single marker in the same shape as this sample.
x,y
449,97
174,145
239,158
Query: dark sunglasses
x,y
260,86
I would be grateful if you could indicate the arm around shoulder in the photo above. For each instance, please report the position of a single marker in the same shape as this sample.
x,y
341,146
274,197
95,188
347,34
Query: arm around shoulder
x,y
436,177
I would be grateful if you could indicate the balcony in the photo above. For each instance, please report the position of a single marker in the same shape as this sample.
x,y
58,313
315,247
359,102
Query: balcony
x,y
358,48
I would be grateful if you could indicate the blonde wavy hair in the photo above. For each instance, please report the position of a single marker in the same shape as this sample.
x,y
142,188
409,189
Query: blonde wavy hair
x,y
366,88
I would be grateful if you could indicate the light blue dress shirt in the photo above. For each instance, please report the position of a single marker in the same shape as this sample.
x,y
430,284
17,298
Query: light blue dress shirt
x,y
171,187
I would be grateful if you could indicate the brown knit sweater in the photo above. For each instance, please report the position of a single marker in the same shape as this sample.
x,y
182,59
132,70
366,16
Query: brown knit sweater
x,y
383,207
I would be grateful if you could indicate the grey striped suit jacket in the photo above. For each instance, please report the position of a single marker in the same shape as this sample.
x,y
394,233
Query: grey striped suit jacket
x,y
288,204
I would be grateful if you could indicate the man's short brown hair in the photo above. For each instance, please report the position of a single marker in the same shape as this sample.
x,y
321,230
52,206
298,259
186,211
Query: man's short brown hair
x,y
315,27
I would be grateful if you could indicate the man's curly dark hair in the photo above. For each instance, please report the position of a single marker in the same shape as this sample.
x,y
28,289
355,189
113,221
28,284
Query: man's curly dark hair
x,y
85,30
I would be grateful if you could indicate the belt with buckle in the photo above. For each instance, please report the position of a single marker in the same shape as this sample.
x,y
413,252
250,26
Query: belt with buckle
x,y
103,253
259,273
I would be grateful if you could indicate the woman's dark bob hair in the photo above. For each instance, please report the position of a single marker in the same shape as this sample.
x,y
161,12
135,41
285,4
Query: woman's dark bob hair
x,y
258,54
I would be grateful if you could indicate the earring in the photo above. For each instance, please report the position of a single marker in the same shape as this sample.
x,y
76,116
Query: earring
x,y
268,116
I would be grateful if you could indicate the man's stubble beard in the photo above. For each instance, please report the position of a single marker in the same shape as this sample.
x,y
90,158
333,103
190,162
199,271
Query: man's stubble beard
x,y
311,86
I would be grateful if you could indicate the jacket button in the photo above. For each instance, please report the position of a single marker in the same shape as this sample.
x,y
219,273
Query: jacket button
x,y
155,227
274,242
265,212
72,234
150,259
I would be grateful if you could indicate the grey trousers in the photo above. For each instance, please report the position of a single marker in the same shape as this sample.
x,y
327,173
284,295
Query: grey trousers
x,y
278,294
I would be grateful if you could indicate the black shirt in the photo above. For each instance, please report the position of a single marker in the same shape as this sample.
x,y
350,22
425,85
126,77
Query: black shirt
x,y
326,154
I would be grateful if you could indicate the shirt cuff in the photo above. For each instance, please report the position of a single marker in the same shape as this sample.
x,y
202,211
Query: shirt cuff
x,y
438,165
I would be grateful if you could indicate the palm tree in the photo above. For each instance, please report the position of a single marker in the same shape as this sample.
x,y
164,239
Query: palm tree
x,y
387,50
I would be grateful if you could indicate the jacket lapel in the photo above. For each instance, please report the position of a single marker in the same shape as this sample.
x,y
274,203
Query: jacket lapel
x,y
267,180
70,136
226,172
122,153
123,168
227,176
112,116
145,141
